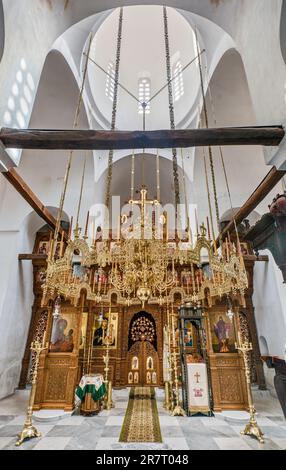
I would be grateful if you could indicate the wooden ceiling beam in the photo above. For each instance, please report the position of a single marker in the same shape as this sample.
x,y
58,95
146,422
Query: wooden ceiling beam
x,y
32,257
25,191
116,140
262,190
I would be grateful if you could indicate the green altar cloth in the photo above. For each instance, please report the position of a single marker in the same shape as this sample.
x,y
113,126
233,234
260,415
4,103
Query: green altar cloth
x,y
90,384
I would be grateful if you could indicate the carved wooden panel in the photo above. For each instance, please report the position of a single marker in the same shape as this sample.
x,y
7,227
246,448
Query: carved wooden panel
x,y
56,384
228,382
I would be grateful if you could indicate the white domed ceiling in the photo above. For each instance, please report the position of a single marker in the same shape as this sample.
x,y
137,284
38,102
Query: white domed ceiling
x,y
143,58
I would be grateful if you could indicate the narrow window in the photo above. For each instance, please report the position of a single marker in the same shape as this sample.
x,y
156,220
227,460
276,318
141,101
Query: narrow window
x,y
178,81
144,95
110,81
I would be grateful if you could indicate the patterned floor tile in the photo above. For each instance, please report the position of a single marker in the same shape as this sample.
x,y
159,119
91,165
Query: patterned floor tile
x,y
10,431
5,419
105,443
115,421
113,431
280,442
176,443
169,421
52,443
5,441
102,431
231,443
73,420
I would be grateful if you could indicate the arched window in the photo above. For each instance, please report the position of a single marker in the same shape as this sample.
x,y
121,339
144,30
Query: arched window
x,y
144,95
178,81
110,81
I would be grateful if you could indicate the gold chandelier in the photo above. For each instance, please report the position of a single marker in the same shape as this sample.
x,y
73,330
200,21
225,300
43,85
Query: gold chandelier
x,y
140,269
143,264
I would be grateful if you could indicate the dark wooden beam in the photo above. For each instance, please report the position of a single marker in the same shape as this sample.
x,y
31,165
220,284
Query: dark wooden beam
x,y
31,256
106,140
264,188
21,186
264,258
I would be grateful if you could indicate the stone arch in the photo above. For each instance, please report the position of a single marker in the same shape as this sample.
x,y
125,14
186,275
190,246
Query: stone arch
x,y
121,179
232,103
263,346
59,88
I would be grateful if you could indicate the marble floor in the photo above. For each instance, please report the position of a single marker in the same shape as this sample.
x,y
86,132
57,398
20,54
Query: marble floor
x,y
102,432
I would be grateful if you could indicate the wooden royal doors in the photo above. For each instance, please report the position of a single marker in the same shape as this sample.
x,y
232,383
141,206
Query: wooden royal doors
x,y
142,357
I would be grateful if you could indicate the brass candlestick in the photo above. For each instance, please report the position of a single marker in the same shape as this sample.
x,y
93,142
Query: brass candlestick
x,y
29,431
168,399
178,410
170,362
167,403
252,428
108,384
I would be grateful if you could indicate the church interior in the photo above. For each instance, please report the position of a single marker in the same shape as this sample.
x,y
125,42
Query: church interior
x,y
143,225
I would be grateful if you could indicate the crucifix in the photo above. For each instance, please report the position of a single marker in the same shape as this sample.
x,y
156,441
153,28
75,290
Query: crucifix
x,y
197,375
142,203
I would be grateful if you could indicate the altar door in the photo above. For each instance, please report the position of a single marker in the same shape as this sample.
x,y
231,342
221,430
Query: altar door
x,y
142,365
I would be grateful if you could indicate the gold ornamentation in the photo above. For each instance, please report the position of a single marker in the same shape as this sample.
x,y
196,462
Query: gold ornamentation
x,y
141,268
29,431
252,428
178,410
39,334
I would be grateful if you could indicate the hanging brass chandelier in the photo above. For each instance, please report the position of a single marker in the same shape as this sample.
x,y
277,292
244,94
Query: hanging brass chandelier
x,y
140,270
143,264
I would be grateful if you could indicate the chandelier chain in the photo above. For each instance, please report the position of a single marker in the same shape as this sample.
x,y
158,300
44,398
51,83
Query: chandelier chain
x,y
211,161
224,168
80,194
171,106
114,106
132,175
185,193
69,162
158,176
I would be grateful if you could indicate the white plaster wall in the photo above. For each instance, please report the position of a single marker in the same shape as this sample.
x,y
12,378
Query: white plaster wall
x,y
230,106
269,299
15,301
31,29
43,171
253,25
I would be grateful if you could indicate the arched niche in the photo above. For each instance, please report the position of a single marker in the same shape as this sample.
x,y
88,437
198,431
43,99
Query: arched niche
x,y
228,94
54,108
149,322
121,179
263,346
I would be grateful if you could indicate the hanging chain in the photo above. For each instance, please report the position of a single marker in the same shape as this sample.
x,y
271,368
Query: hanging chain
x,y
207,125
224,170
209,198
171,107
158,175
80,195
69,162
185,193
114,107
132,176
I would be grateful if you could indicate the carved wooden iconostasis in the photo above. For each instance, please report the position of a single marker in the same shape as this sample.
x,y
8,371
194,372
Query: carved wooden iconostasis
x,y
226,364
136,351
